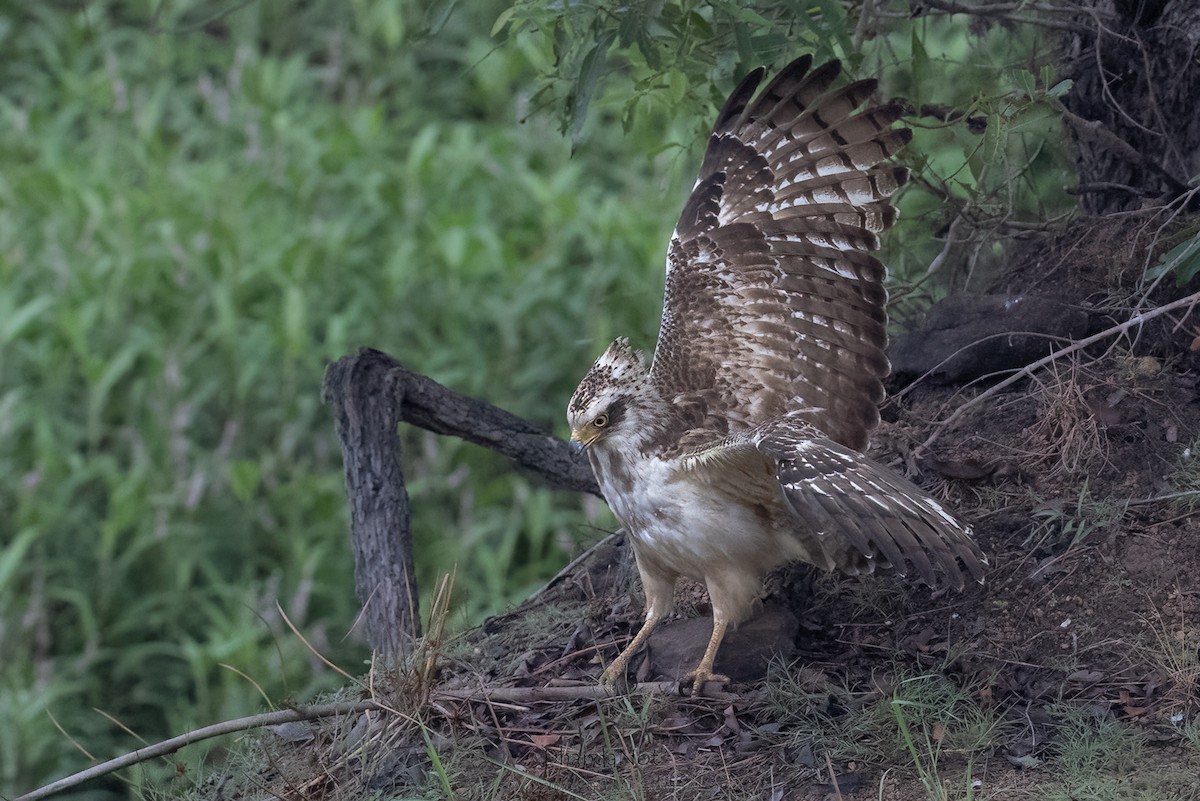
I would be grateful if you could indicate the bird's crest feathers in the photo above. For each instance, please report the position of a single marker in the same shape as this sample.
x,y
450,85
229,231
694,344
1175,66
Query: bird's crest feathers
x,y
619,368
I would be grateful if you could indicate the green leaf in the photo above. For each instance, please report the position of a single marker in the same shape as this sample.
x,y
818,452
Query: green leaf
x,y
115,370
295,316
973,153
835,24
994,138
1183,260
1061,88
742,14
12,554
590,72
648,47
16,322
677,85
1027,83
442,16
745,47
502,21
1030,115
244,478
920,68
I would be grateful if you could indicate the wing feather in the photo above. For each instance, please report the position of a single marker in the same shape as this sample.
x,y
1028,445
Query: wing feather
x,y
847,510
881,516
773,301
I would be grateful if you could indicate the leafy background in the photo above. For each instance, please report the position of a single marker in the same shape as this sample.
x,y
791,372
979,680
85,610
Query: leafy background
x,y
203,204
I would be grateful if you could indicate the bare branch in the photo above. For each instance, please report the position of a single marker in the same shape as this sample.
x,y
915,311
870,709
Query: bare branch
x,y
206,733
588,692
1132,322
1047,15
1099,133
1107,186
864,22
435,408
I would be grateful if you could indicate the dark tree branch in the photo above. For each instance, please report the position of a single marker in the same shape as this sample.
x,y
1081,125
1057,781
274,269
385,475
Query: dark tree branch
x,y
1045,15
370,393
366,399
1108,186
435,408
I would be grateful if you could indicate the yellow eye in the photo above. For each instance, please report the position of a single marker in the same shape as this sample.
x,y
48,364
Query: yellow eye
x,y
601,421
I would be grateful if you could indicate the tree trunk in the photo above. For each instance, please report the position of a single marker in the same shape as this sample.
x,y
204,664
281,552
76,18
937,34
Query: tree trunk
x,y
1137,78
366,399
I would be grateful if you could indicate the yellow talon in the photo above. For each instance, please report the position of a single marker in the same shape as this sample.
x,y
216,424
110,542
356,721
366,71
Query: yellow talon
x,y
701,676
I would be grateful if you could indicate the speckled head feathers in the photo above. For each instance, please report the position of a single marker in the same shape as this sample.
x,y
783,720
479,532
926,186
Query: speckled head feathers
x,y
619,369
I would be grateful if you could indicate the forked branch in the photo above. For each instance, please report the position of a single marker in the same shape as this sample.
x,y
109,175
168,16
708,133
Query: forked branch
x,y
370,393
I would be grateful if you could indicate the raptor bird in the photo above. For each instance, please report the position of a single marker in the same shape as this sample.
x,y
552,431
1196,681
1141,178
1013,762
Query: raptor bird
x,y
739,448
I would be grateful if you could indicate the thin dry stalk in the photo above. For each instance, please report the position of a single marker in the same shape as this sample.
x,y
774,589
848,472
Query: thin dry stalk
x,y
1066,433
429,652
1176,650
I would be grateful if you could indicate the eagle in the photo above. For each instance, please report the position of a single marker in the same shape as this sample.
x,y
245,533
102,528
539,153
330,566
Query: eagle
x,y
739,448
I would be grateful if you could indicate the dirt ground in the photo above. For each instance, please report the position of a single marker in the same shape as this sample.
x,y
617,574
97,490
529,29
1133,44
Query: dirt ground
x,y
1092,598
1076,483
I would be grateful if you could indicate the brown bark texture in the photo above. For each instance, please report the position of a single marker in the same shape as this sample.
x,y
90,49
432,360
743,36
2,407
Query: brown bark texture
x,y
1134,118
370,393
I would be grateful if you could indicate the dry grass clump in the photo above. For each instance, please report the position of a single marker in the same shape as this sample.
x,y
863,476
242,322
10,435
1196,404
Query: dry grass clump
x,y
1175,648
1068,436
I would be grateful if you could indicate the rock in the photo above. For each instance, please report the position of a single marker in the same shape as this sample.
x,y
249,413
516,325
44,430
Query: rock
x,y
675,648
962,337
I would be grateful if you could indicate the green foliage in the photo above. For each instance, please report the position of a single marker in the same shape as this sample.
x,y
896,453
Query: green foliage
x,y
1095,754
1182,261
1064,524
937,730
672,55
201,205
986,152
1191,734
197,213
928,716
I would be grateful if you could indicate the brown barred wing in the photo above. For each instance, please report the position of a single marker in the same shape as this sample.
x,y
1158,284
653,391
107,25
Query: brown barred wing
x,y
840,498
773,301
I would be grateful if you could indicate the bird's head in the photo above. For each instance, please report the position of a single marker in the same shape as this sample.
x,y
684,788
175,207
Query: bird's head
x,y
607,402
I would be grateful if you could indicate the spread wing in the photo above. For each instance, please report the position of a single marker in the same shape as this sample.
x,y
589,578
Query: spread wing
x,y
773,302
843,503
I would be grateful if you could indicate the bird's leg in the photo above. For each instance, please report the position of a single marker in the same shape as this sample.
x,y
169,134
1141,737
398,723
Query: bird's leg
x,y
704,671
660,597
616,668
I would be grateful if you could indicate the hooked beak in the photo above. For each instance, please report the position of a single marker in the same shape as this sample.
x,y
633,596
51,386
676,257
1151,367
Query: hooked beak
x,y
577,445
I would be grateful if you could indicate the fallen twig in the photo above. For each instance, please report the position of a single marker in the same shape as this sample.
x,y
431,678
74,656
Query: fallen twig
x,y
582,692
205,733
1028,370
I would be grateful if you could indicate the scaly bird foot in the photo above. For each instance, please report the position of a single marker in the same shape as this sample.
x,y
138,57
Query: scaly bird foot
x,y
702,675
612,673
